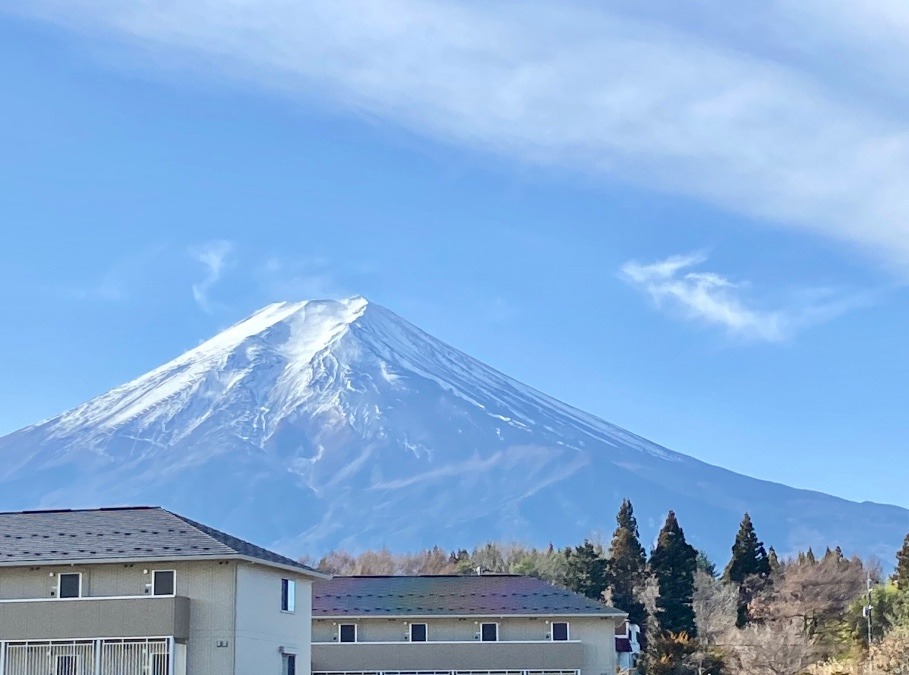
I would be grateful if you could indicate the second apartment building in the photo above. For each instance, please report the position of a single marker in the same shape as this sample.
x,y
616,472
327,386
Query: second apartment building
x,y
459,625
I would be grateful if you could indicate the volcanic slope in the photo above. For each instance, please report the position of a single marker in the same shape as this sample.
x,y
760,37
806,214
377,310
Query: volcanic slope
x,y
322,424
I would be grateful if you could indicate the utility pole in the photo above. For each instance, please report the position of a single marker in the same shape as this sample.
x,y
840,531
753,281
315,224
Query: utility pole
x,y
867,612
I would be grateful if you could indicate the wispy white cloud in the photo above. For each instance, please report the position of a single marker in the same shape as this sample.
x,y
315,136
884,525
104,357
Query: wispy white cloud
x,y
609,88
214,257
700,108
714,299
300,279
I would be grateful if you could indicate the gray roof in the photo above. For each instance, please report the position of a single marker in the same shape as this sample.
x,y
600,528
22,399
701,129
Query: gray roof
x,y
133,533
486,595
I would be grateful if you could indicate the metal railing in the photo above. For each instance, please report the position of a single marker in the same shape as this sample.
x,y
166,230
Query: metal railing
x,y
447,672
131,656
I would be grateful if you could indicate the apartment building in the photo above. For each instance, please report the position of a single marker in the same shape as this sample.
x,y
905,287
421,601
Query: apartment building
x,y
459,625
143,591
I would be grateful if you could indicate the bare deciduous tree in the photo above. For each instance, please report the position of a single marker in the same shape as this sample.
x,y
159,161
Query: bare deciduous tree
x,y
714,606
891,655
778,648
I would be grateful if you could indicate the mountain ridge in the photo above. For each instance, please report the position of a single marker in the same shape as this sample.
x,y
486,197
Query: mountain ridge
x,y
293,423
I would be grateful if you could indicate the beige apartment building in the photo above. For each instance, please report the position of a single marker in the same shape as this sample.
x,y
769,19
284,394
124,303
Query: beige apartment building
x,y
143,591
459,625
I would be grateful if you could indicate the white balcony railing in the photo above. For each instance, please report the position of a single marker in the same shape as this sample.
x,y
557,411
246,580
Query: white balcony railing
x,y
150,656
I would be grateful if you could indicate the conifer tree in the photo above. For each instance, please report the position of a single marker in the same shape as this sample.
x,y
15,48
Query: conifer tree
x,y
586,570
773,559
673,563
748,555
706,565
901,576
749,559
627,566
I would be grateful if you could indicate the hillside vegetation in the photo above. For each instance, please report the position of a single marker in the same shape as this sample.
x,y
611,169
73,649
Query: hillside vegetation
x,y
760,615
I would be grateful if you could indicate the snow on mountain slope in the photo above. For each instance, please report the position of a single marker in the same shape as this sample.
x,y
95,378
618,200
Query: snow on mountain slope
x,y
318,424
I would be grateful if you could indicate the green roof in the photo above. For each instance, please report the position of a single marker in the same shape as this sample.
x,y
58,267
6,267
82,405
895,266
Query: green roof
x,y
483,595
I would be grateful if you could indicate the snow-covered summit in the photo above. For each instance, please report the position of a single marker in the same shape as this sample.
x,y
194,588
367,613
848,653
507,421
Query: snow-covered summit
x,y
289,333
324,423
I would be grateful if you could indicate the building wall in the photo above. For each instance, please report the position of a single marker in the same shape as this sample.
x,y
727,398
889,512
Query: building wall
x,y
596,635
598,638
263,629
210,586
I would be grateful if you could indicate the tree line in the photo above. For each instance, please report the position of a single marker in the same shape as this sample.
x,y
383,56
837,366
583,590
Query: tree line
x,y
759,615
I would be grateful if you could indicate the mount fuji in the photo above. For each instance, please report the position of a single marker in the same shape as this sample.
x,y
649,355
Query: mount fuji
x,y
322,424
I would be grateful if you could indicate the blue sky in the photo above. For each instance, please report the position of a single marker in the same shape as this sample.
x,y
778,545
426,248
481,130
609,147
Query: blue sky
x,y
693,225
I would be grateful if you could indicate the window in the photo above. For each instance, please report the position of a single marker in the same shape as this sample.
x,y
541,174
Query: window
x,y
560,631
69,586
159,663
290,664
288,595
347,632
163,582
489,632
67,665
418,632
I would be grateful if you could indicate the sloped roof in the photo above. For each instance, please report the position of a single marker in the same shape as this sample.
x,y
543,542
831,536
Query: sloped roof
x,y
486,595
132,533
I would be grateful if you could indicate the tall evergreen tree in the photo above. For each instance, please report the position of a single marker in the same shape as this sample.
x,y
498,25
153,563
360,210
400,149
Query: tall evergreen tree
x,y
901,576
706,565
748,555
749,560
586,570
627,566
673,563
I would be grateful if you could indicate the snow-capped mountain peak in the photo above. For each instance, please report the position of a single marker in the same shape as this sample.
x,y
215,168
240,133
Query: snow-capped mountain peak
x,y
321,423
290,333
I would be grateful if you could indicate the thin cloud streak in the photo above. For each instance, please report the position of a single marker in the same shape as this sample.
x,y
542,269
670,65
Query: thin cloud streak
x,y
574,85
213,255
714,299
300,279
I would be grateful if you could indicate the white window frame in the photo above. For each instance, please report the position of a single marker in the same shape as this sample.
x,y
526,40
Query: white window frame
x,y
356,633
285,662
489,623
567,631
164,595
425,631
291,596
60,584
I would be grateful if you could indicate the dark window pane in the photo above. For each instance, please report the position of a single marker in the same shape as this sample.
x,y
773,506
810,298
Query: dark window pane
x,y
66,665
70,586
560,631
159,664
288,595
164,583
418,632
489,632
348,632
290,664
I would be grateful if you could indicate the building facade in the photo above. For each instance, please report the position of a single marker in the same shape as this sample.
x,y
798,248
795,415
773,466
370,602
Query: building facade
x,y
464,625
143,591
